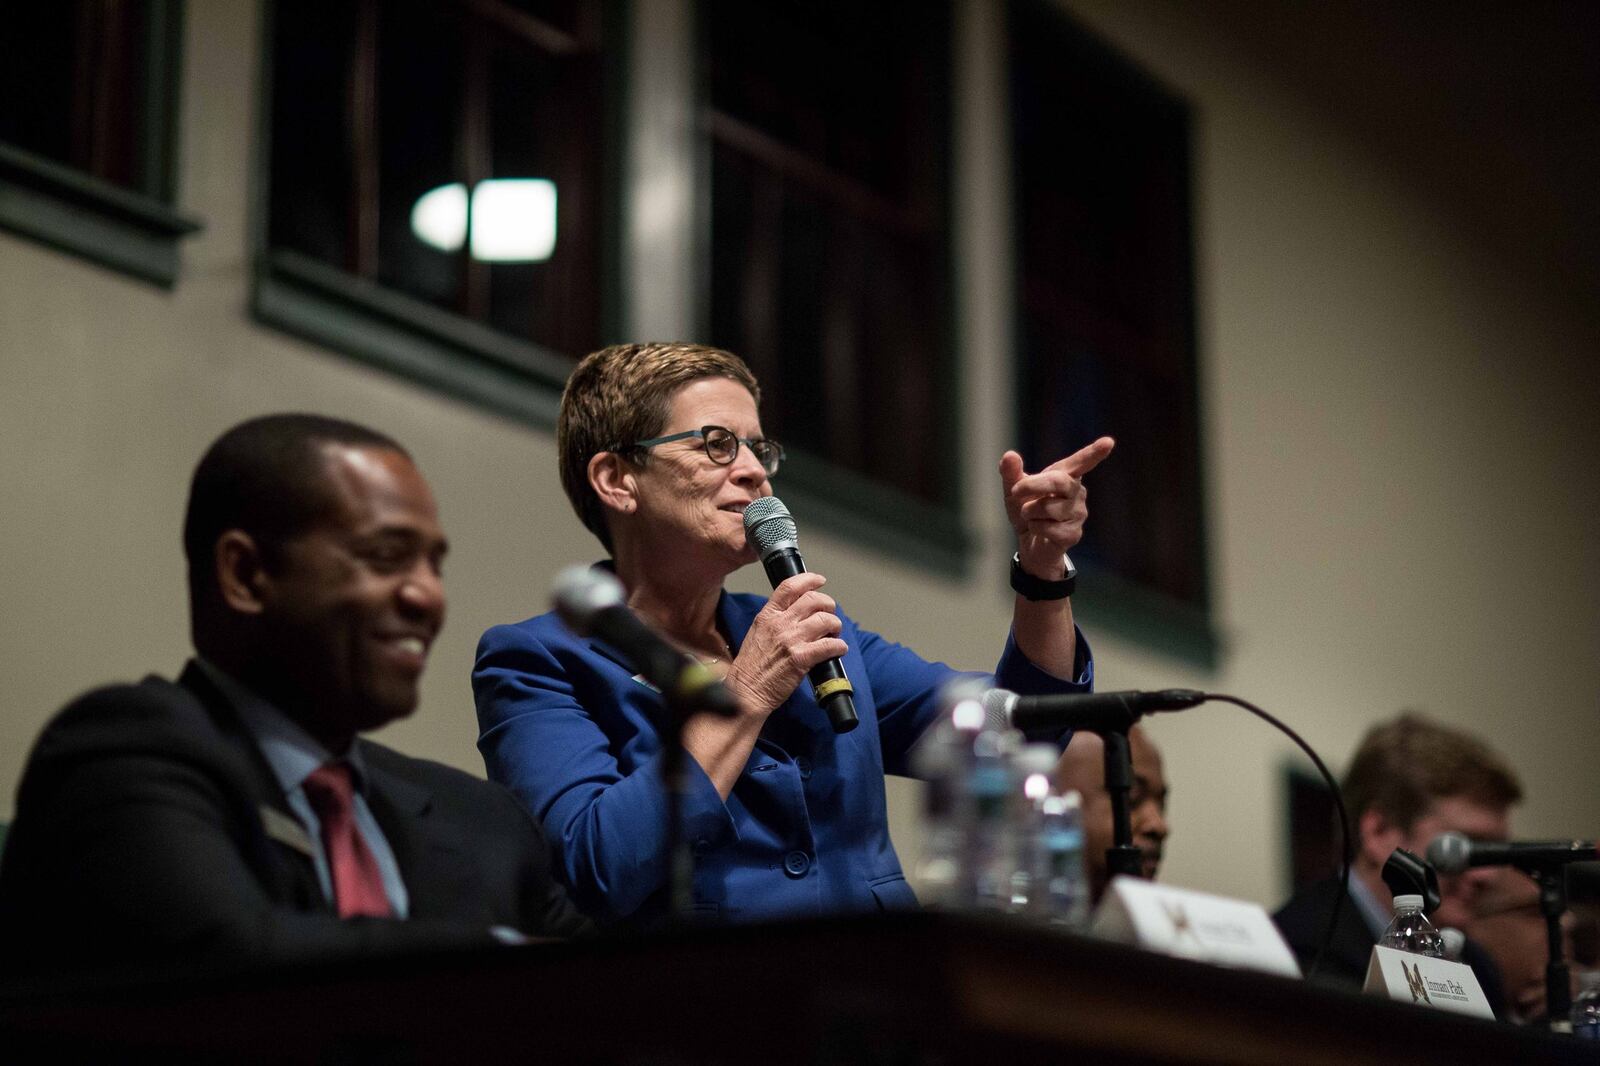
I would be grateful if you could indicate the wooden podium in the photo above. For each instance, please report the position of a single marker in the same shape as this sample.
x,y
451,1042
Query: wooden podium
x,y
890,989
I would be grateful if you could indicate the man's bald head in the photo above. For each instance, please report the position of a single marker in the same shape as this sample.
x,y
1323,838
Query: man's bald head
x,y
1082,767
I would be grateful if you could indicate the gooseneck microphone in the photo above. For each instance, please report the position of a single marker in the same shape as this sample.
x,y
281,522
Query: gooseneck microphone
x,y
1452,853
771,532
1093,711
592,604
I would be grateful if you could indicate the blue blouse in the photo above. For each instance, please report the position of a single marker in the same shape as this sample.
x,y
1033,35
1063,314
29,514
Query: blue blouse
x,y
564,723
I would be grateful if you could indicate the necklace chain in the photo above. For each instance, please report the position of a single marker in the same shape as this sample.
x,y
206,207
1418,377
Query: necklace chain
x,y
706,660
712,660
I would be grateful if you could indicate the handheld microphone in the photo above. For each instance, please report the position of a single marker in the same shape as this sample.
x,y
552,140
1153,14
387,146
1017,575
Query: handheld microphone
x,y
1096,712
1452,853
771,532
592,604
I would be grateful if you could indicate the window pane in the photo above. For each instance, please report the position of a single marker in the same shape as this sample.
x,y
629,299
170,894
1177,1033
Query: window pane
x,y
828,233
73,86
449,153
548,125
1104,281
421,81
314,43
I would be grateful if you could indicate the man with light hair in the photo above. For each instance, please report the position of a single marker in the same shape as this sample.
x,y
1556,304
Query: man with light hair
x,y
1410,780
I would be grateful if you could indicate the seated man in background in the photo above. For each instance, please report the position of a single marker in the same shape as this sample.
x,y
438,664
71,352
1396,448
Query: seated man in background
x,y
1410,780
1082,767
236,815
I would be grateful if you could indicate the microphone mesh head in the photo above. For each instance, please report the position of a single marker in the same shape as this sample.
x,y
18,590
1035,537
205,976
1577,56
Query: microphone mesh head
x,y
1450,853
580,592
1453,941
768,527
997,706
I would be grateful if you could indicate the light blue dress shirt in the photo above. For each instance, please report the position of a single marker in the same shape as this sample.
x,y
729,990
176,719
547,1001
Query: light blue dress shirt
x,y
1372,912
293,754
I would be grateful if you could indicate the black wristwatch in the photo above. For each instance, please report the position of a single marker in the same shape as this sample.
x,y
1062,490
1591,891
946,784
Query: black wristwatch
x,y
1033,588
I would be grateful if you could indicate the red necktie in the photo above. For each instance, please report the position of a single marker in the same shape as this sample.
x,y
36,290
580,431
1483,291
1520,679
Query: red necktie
x,y
357,882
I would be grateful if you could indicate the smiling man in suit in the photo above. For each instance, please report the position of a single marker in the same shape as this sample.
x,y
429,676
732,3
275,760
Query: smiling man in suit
x,y
237,814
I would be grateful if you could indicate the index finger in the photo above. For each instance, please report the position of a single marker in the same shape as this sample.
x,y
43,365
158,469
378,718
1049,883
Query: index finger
x,y
1075,465
1086,458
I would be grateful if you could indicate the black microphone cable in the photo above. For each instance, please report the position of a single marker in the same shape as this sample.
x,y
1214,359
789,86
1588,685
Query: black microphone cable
x,y
1117,711
1338,802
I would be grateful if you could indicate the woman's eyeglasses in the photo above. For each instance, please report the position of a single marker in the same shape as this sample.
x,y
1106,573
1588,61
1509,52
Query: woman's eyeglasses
x,y
722,446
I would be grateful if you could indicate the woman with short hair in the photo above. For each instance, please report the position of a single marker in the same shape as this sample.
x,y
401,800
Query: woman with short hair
x,y
661,450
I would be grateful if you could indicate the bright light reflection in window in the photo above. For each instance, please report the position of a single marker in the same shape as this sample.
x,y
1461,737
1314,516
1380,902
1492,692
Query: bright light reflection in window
x,y
513,219
439,218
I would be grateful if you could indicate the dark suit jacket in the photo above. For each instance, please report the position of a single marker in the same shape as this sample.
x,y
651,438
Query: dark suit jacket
x,y
142,835
1304,918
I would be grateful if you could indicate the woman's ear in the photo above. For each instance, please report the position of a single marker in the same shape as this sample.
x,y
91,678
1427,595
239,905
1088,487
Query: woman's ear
x,y
613,481
241,571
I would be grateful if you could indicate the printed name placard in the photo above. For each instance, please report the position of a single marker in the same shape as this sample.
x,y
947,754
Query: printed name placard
x,y
1192,925
1418,979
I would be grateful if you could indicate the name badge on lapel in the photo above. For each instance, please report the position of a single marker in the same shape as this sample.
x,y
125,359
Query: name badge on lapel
x,y
285,830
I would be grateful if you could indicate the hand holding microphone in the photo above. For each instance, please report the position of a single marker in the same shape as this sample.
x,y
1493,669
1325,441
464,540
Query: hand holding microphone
x,y
798,623
795,631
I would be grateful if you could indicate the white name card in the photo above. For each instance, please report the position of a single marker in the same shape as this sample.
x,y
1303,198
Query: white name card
x,y
1441,983
1192,925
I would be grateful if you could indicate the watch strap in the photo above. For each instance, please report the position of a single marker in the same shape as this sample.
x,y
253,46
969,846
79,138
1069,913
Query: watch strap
x,y
1034,588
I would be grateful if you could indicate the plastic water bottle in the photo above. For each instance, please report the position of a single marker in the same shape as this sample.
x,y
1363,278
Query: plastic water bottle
x,y
1061,885
991,836
943,758
1586,1008
940,759
1033,766
1411,931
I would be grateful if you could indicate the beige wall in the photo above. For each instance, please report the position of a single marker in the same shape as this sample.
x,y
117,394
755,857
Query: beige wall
x,y
1398,445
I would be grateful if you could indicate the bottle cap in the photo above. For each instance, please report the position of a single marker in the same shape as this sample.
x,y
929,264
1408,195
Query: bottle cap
x,y
1408,902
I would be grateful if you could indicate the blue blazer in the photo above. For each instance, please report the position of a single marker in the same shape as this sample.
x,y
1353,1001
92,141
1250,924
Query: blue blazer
x,y
564,722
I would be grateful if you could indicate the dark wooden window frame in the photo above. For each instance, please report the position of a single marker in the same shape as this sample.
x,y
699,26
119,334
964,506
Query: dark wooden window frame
x,y
132,231
401,334
522,381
